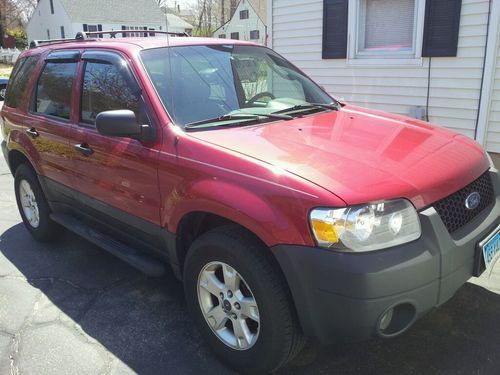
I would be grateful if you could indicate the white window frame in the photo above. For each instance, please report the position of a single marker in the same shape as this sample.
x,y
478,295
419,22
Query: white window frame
x,y
356,57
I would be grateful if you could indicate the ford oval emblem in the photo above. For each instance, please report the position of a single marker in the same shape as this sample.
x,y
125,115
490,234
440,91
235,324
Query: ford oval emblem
x,y
472,200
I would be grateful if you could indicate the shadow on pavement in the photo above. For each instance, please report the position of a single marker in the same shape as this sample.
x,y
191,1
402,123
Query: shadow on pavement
x,y
144,323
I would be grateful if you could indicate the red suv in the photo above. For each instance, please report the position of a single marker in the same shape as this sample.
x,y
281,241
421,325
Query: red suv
x,y
286,213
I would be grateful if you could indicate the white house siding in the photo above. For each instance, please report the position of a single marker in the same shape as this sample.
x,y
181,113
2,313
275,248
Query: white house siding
x,y
43,19
455,81
78,26
243,27
493,134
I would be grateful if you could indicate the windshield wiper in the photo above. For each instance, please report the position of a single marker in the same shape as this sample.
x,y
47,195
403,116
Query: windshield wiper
x,y
238,116
329,106
308,106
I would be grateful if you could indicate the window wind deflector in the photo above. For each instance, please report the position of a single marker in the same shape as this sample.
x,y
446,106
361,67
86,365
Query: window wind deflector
x,y
63,56
103,57
113,58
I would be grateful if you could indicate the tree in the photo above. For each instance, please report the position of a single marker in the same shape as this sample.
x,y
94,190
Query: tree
x,y
15,14
20,35
209,15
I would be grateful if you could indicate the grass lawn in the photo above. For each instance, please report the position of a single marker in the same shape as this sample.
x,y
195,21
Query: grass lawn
x,y
5,70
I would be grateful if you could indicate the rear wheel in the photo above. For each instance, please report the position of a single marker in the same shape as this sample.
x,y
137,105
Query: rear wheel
x,y
33,206
240,301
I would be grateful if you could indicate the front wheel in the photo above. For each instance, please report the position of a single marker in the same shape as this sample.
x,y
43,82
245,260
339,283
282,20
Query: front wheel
x,y
240,302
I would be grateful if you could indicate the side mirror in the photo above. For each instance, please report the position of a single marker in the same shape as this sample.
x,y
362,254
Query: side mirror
x,y
119,123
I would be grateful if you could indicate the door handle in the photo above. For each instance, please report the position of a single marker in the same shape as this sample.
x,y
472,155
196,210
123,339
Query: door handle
x,y
32,133
84,149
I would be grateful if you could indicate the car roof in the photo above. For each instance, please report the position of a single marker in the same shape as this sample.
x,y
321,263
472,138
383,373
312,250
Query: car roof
x,y
133,44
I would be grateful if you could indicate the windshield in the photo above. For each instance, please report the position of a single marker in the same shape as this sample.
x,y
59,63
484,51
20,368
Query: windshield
x,y
200,83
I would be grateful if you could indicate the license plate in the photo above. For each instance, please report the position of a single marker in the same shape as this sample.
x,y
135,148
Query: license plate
x,y
491,248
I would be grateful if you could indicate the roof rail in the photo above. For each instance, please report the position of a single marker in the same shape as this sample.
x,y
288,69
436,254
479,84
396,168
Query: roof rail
x,y
79,36
84,35
114,32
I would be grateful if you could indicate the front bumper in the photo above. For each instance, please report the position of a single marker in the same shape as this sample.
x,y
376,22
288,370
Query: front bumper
x,y
341,297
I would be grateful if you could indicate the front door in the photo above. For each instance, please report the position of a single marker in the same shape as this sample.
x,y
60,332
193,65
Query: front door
x,y
116,177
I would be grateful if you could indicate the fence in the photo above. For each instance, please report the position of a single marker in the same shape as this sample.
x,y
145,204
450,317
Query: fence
x,y
9,55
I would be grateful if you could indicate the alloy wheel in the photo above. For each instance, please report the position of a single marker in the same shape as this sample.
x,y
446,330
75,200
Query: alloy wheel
x,y
29,204
228,305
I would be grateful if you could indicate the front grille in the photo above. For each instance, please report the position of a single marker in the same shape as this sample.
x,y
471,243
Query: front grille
x,y
452,209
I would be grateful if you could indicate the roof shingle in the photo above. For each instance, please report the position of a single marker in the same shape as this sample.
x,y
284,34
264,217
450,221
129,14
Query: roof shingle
x,y
113,11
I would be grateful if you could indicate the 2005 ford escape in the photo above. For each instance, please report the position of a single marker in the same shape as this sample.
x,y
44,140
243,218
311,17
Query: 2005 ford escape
x,y
286,213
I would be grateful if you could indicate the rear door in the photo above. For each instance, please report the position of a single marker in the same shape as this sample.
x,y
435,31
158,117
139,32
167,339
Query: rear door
x,y
37,113
50,124
117,177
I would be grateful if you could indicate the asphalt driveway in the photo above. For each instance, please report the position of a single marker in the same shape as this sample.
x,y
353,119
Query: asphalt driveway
x,y
70,308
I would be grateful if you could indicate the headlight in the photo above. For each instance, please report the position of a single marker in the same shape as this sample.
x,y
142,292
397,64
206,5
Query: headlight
x,y
366,227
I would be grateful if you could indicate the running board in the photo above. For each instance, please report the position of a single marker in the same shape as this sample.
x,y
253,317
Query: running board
x,y
134,257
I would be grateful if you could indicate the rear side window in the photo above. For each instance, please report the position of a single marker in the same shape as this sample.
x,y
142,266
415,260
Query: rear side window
x,y
53,92
19,81
104,89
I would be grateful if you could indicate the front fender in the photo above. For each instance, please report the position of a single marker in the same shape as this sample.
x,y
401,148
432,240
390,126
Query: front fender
x,y
268,216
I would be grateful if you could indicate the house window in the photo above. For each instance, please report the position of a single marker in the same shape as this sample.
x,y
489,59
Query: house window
x,y
134,31
244,14
254,34
51,7
48,34
235,36
386,29
63,35
222,36
91,28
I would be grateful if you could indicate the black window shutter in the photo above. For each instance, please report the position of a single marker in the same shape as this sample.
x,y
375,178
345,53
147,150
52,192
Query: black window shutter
x,y
335,29
85,27
124,34
99,28
442,23
145,28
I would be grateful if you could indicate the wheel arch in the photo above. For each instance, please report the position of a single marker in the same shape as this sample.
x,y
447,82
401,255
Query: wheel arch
x,y
196,223
16,158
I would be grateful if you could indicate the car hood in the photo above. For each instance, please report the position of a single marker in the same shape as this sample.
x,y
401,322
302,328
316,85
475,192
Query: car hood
x,y
362,155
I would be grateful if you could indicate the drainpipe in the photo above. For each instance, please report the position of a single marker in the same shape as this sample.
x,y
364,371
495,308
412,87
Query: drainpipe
x,y
488,73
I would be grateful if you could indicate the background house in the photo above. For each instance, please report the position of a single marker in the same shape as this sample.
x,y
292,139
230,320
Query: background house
x,y
248,22
436,59
54,19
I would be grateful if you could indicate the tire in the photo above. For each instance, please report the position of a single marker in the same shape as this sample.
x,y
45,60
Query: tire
x,y
276,338
37,218
2,92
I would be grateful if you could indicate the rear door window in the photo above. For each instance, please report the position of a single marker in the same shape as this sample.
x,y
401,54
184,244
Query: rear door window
x,y
19,81
104,89
53,92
